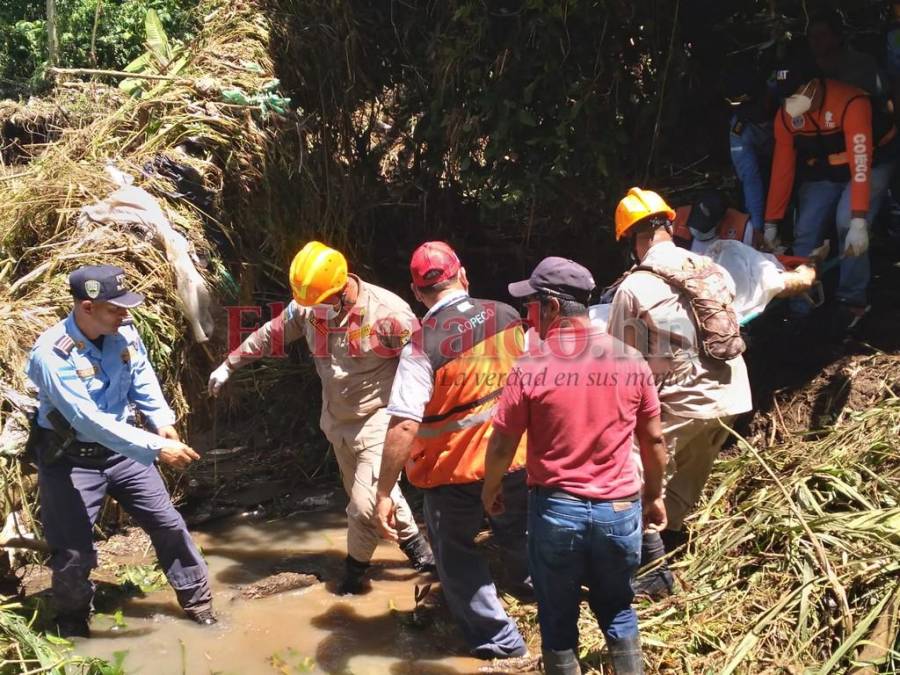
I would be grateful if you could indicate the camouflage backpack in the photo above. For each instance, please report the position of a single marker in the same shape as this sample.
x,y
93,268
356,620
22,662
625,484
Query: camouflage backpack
x,y
706,288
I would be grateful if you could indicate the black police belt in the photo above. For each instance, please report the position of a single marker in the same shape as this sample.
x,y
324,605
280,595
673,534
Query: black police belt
x,y
80,450
53,448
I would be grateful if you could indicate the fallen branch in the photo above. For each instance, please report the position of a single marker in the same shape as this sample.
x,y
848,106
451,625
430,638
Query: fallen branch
x,y
115,73
38,545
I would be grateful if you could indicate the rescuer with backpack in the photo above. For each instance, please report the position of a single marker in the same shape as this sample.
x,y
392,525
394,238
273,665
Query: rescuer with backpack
x,y
675,307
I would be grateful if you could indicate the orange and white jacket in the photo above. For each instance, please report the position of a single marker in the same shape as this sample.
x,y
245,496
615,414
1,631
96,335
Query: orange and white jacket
x,y
839,142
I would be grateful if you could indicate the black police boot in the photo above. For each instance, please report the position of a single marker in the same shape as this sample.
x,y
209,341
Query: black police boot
x,y
418,550
626,656
204,617
72,625
354,577
562,662
658,582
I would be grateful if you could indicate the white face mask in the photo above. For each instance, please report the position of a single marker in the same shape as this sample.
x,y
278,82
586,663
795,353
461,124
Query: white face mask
x,y
797,104
326,310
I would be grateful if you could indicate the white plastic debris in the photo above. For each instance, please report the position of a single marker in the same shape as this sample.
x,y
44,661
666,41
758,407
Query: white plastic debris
x,y
130,205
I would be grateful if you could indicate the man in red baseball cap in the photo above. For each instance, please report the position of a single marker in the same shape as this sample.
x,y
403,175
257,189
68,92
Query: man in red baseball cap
x,y
433,263
448,381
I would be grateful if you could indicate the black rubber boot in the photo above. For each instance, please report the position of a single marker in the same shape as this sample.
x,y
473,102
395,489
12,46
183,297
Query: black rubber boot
x,y
658,582
562,662
673,539
626,656
418,550
196,602
72,625
354,577
204,617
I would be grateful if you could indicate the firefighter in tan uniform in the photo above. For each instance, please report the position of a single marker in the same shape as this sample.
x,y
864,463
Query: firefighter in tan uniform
x,y
355,331
676,308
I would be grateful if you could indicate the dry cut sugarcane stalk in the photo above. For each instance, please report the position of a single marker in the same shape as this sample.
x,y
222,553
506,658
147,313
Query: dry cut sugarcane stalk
x,y
846,615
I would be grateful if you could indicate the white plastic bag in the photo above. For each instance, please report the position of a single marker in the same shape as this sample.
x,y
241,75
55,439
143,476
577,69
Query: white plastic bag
x,y
132,205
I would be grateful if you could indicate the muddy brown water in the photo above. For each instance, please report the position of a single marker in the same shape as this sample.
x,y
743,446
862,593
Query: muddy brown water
x,y
306,630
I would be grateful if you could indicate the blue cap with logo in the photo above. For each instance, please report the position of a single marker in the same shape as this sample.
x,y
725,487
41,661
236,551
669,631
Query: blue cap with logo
x,y
104,283
557,276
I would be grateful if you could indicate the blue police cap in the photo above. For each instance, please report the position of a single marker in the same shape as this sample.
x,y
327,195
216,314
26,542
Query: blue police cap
x,y
103,282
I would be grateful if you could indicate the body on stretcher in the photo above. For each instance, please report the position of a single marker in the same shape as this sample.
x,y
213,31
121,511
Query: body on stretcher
x,y
759,278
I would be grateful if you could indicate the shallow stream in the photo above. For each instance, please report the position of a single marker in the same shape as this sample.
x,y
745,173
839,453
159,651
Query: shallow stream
x,y
305,630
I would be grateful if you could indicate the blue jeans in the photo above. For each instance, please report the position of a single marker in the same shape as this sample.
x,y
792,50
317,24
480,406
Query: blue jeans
x,y
574,542
820,201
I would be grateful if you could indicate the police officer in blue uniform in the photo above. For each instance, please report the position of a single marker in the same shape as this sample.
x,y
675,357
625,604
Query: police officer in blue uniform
x,y
93,377
751,139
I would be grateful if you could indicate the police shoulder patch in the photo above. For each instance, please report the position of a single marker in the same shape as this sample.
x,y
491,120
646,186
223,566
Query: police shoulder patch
x,y
64,346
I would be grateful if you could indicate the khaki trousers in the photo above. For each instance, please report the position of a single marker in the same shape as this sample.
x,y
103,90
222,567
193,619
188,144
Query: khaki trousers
x,y
359,458
693,446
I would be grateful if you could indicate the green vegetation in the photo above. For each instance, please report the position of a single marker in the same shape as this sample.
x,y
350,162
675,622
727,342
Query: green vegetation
x,y
141,578
92,33
508,128
23,649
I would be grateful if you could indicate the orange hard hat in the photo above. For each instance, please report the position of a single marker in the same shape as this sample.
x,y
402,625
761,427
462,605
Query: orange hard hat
x,y
317,273
637,205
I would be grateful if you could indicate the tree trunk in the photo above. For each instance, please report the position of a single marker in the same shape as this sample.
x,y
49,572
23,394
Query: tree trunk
x,y
52,42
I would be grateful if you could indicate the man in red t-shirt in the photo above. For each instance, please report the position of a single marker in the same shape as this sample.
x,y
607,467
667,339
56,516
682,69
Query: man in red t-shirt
x,y
581,397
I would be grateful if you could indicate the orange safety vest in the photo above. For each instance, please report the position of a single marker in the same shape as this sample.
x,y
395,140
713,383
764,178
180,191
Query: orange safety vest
x,y
472,345
733,225
839,142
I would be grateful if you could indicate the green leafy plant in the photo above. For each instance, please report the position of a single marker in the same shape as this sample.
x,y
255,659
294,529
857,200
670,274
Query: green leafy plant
x,y
146,578
290,661
161,58
116,620
117,667
45,653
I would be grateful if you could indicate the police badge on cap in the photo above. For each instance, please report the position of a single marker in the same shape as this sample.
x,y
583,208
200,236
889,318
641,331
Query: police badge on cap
x,y
104,283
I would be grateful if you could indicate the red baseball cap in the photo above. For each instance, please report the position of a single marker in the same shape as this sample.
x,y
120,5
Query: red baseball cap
x,y
432,263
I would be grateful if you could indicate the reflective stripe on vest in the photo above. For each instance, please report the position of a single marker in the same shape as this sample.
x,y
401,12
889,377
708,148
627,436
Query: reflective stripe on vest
x,y
471,345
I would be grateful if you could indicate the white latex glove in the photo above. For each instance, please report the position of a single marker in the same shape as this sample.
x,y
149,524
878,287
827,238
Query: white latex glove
x,y
857,241
219,377
770,235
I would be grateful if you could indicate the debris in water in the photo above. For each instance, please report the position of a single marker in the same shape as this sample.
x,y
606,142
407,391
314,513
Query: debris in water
x,y
422,615
316,502
224,453
521,664
277,583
